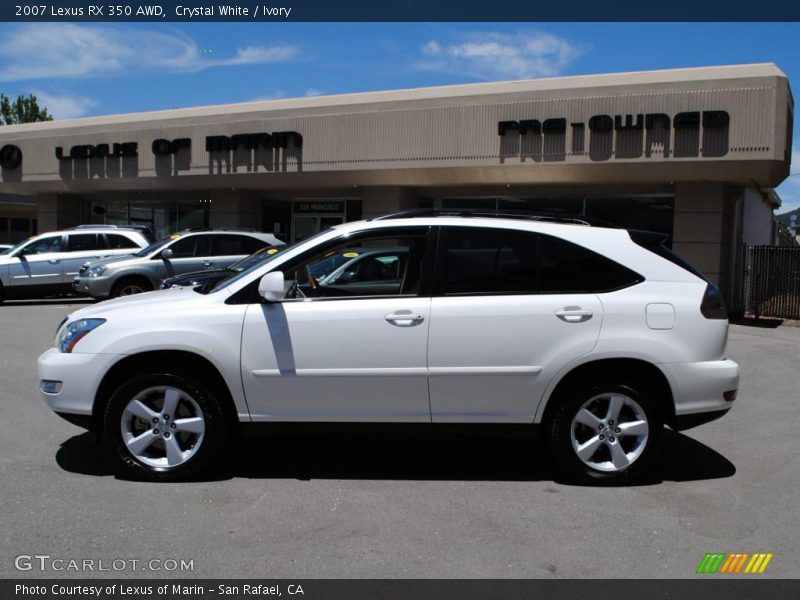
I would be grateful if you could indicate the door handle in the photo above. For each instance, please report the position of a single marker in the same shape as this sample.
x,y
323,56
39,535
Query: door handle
x,y
54,261
207,263
404,318
574,314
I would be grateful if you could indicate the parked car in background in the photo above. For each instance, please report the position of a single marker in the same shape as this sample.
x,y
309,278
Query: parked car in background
x,y
5,247
212,276
179,253
46,264
599,336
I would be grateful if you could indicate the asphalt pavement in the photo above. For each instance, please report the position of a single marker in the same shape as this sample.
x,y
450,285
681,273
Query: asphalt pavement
x,y
452,506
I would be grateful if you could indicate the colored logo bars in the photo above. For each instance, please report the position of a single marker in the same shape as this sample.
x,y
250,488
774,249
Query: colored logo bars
x,y
738,562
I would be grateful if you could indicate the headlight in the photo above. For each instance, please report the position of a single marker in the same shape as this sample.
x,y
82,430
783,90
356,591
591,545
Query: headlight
x,y
96,271
74,332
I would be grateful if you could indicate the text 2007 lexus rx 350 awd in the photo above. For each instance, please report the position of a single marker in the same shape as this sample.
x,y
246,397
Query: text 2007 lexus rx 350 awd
x,y
598,335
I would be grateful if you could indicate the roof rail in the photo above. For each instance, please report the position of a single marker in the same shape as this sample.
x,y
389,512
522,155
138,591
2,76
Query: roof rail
x,y
496,213
135,226
196,229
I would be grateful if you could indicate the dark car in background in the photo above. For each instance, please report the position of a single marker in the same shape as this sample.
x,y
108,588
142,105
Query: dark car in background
x,y
212,276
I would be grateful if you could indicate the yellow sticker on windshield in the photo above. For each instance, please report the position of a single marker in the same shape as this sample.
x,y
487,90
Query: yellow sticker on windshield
x,y
272,251
175,236
350,254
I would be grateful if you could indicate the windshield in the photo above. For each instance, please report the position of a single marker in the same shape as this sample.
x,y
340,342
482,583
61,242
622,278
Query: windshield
x,y
16,246
153,247
256,258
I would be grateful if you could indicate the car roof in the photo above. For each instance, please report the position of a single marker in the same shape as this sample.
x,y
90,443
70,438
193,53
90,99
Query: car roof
x,y
90,230
267,237
568,230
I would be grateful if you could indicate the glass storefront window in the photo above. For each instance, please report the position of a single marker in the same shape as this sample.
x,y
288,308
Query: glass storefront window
x,y
651,213
648,213
162,217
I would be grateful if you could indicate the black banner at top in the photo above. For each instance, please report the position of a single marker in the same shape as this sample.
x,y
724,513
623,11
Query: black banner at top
x,y
395,10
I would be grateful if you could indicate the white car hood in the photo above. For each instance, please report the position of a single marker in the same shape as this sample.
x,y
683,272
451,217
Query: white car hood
x,y
157,302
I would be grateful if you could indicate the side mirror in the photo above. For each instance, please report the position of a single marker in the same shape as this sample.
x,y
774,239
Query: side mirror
x,y
167,253
271,287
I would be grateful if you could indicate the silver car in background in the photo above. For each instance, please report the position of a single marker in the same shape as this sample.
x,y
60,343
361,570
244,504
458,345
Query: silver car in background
x,y
179,253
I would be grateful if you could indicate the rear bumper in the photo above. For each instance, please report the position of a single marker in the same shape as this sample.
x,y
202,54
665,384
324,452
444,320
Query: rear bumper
x,y
684,422
699,388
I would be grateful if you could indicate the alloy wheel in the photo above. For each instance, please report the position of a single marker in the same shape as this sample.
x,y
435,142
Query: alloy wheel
x,y
163,427
131,289
609,432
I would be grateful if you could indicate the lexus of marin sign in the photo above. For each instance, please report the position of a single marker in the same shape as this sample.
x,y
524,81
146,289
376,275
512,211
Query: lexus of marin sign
x,y
162,147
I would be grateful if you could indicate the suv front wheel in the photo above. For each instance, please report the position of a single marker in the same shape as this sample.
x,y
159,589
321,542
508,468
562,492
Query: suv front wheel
x,y
130,286
165,427
606,432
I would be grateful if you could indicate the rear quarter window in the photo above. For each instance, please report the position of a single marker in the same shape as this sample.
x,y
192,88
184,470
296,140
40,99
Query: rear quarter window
x,y
567,267
117,242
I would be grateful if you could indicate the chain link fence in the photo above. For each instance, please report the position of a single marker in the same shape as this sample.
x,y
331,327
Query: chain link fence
x,y
772,282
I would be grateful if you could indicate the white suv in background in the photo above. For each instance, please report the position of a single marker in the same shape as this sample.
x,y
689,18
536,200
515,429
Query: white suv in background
x,y
599,335
45,264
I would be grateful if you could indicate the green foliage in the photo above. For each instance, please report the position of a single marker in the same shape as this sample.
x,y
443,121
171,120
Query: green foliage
x,y
21,110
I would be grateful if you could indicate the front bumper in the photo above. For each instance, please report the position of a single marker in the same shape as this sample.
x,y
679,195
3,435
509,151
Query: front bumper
x,y
698,389
80,376
96,287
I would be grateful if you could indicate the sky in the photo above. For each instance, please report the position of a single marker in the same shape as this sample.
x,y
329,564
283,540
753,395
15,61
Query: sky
x,y
78,69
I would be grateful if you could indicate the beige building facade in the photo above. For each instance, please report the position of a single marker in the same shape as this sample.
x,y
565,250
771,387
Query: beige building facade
x,y
694,153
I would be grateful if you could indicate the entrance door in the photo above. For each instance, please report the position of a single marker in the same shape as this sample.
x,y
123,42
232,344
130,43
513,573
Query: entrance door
x,y
305,224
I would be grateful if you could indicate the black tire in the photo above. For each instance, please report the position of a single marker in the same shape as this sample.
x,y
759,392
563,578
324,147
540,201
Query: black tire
x,y
213,438
119,287
560,429
2,294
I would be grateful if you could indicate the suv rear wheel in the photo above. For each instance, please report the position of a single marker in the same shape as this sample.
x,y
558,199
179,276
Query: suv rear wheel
x,y
165,427
606,432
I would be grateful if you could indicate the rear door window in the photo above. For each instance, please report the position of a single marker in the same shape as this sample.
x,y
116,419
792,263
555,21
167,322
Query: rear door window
x,y
82,242
235,245
490,261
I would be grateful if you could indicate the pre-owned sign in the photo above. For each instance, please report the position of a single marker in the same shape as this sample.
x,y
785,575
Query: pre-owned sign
x,y
711,119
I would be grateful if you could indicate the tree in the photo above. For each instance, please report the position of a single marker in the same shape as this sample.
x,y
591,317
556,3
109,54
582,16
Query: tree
x,y
22,110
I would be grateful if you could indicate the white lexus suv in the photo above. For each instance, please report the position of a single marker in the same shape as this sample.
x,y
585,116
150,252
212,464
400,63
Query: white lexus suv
x,y
599,335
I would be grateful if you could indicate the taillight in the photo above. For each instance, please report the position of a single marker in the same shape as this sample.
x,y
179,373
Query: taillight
x,y
713,306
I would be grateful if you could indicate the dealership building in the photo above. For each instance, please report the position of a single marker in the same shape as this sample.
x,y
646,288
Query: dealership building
x,y
694,153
